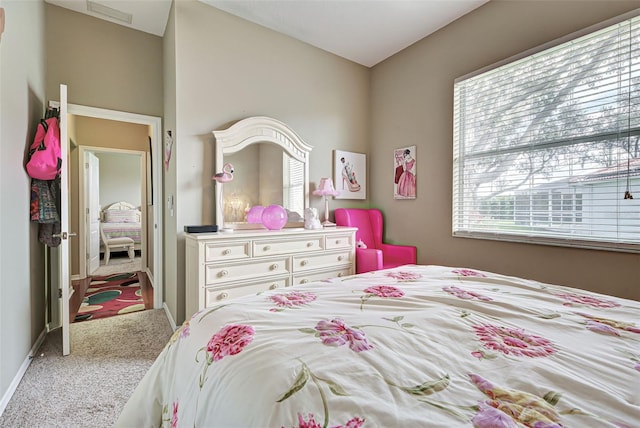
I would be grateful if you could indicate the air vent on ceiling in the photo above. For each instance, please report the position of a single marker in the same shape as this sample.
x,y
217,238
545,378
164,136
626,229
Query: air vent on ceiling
x,y
109,11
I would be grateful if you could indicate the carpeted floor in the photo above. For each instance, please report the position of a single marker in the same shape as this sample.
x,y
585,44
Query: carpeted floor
x,y
89,387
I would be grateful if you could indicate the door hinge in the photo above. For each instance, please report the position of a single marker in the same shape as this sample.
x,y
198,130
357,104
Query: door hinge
x,y
59,293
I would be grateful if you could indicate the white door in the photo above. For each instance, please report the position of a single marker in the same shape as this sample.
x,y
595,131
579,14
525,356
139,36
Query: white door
x,y
92,196
64,277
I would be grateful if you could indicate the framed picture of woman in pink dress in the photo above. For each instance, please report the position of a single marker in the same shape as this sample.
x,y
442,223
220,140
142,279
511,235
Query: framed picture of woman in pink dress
x,y
404,173
350,174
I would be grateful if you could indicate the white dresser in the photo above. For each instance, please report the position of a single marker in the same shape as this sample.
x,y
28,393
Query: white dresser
x,y
221,266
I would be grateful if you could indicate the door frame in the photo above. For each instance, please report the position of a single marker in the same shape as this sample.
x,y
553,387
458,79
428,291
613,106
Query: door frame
x,y
82,205
155,125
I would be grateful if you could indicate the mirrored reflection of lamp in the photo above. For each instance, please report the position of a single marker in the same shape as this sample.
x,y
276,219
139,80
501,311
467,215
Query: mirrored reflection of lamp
x,y
326,189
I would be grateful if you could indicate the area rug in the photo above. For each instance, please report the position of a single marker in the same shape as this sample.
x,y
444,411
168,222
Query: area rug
x,y
118,265
111,295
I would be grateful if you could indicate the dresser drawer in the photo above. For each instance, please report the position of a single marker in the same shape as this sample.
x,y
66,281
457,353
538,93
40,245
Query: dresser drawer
x,y
217,295
228,272
339,241
218,251
319,261
287,246
305,277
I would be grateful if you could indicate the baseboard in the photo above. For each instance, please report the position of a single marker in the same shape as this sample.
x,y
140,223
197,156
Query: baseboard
x,y
172,322
23,369
149,275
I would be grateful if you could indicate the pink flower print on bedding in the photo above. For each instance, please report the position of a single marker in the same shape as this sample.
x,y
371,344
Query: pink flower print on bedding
x,y
513,341
292,299
469,272
230,340
384,291
465,294
404,275
337,333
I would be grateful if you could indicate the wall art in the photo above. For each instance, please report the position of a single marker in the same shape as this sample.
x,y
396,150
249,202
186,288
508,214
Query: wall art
x,y
404,173
350,174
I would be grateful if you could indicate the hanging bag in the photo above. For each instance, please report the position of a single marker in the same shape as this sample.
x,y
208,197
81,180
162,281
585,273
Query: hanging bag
x,y
44,155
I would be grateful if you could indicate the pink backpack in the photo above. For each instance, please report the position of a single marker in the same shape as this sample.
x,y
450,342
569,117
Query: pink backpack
x,y
44,154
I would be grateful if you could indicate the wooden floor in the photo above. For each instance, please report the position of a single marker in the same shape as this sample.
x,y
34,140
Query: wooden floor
x,y
80,288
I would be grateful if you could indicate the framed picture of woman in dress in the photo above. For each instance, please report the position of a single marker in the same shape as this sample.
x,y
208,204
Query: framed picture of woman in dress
x,y
404,173
350,174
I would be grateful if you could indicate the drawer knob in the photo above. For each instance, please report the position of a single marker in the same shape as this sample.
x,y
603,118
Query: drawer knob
x,y
273,286
223,296
337,242
339,274
266,248
309,244
304,281
226,252
223,273
340,258
274,266
304,262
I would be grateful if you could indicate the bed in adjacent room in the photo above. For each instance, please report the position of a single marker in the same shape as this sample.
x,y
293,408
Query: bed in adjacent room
x,y
406,347
122,220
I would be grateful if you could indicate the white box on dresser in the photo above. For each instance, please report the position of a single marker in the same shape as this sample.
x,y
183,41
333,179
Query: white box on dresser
x,y
224,265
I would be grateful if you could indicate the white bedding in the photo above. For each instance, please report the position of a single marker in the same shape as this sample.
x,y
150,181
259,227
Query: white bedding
x,y
414,346
120,230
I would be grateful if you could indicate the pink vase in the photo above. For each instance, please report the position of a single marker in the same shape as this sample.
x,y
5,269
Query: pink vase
x,y
255,214
274,217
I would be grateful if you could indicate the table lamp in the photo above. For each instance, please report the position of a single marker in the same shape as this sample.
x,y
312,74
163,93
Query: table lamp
x,y
326,189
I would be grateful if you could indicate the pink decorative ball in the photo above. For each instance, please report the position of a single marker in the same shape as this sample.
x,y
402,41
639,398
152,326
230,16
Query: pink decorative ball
x,y
255,214
274,217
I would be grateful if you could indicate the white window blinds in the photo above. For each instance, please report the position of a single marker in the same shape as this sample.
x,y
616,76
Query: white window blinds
x,y
546,146
293,184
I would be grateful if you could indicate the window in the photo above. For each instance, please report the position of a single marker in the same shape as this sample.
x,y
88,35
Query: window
x,y
546,145
293,184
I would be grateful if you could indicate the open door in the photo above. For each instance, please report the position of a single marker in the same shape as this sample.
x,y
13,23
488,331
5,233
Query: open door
x,y
92,201
64,277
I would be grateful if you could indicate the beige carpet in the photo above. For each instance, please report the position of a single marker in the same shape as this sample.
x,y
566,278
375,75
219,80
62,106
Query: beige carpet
x,y
119,265
88,388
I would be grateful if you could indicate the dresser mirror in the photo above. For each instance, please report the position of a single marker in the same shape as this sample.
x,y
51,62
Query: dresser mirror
x,y
270,166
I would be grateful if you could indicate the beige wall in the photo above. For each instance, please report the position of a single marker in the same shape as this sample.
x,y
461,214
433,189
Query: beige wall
x,y
22,101
228,69
412,103
105,65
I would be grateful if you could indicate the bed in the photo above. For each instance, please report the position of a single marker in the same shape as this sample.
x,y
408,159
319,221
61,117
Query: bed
x,y
412,346
122,220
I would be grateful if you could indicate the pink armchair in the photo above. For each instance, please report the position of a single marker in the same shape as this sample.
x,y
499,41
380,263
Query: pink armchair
x,y
377,255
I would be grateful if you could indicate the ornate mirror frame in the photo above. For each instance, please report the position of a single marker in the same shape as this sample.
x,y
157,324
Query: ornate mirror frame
x,y
259,129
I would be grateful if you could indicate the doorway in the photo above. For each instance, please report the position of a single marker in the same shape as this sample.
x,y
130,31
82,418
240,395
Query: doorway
x,y
149,157
112,208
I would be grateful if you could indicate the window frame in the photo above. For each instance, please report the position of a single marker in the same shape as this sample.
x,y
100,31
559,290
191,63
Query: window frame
x,y
536,210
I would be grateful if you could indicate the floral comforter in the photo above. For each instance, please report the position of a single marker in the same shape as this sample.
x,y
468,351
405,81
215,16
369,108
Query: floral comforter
x,y
414,346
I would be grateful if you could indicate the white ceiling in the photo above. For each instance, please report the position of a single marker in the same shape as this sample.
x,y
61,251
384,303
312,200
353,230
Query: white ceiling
x,y
363,31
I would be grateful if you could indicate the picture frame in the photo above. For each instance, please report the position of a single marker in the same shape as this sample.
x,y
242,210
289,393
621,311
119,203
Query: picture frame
x,y
405,167
350,174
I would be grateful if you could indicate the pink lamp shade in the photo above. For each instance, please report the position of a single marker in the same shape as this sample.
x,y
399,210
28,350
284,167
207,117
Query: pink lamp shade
x,y
325,188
